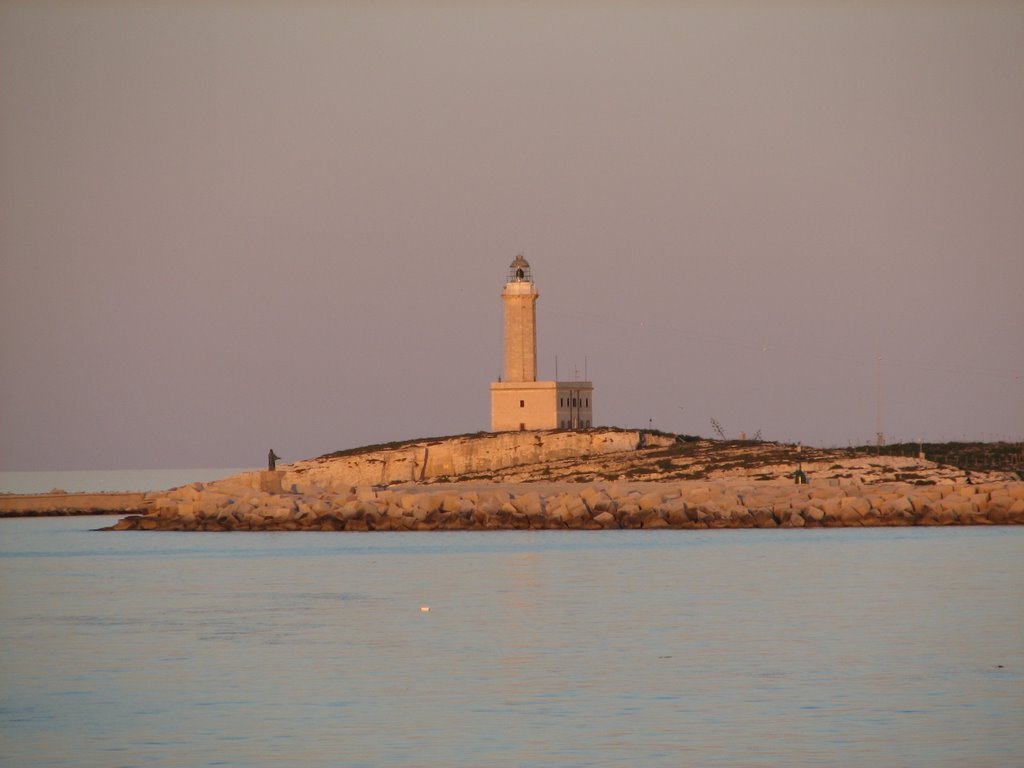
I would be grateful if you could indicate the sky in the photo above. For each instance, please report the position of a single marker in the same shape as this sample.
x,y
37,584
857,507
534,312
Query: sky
x,y
231,226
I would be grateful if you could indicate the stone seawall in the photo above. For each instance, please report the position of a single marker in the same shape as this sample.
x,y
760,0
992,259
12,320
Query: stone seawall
x,y
712,504
452,458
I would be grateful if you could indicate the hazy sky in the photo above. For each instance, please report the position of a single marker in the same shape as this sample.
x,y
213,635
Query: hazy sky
x,y
230,226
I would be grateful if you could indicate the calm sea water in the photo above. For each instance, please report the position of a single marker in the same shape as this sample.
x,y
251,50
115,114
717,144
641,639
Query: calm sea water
x,y
880,647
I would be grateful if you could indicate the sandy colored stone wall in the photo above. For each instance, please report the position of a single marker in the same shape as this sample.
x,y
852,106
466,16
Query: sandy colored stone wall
x,y
541,405
455,457
532,403
520,331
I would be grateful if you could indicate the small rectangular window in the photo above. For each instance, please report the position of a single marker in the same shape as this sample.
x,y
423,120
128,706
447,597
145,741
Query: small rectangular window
x,y
574,402
522,427
522,403
588,402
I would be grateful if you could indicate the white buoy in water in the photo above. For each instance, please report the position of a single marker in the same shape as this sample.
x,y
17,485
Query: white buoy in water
x,y
425,608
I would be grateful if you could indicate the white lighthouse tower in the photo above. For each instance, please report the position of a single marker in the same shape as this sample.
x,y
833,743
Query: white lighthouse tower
x,y
519,401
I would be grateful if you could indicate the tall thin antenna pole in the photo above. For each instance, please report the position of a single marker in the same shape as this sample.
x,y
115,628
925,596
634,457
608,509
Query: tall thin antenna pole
x,y
879,435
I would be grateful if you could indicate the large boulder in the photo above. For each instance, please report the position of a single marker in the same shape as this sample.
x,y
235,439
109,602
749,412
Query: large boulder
x,y
794,520
528,503
652,517
858,504
814,514
649,501
850,517
676,512
1015,514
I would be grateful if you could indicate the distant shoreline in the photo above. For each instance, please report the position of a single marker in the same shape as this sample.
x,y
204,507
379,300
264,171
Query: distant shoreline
x,y
66,504
42,482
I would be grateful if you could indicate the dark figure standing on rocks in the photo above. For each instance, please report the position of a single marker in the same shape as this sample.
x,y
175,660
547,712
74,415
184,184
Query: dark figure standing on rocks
x,y
272,460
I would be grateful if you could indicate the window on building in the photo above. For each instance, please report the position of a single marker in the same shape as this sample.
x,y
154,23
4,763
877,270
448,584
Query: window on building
x,y
522,427
560,402
588,402
574,402
522,403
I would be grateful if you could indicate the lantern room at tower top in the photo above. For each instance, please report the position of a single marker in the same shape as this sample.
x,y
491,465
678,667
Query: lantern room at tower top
x,y
519,401
519,271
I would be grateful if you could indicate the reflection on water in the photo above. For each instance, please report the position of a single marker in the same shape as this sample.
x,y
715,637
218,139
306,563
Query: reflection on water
x,y
826,647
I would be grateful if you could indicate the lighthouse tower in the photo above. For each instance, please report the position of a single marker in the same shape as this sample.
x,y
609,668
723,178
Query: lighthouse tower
x,y
518,400
520,299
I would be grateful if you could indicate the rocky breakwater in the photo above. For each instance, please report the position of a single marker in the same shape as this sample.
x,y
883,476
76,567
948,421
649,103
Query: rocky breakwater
x,y
593,506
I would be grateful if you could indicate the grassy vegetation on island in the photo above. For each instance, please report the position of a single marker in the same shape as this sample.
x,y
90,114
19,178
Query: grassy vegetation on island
x,y
691,457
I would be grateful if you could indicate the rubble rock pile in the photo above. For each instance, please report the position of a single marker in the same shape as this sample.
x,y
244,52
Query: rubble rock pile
x,y
724,503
